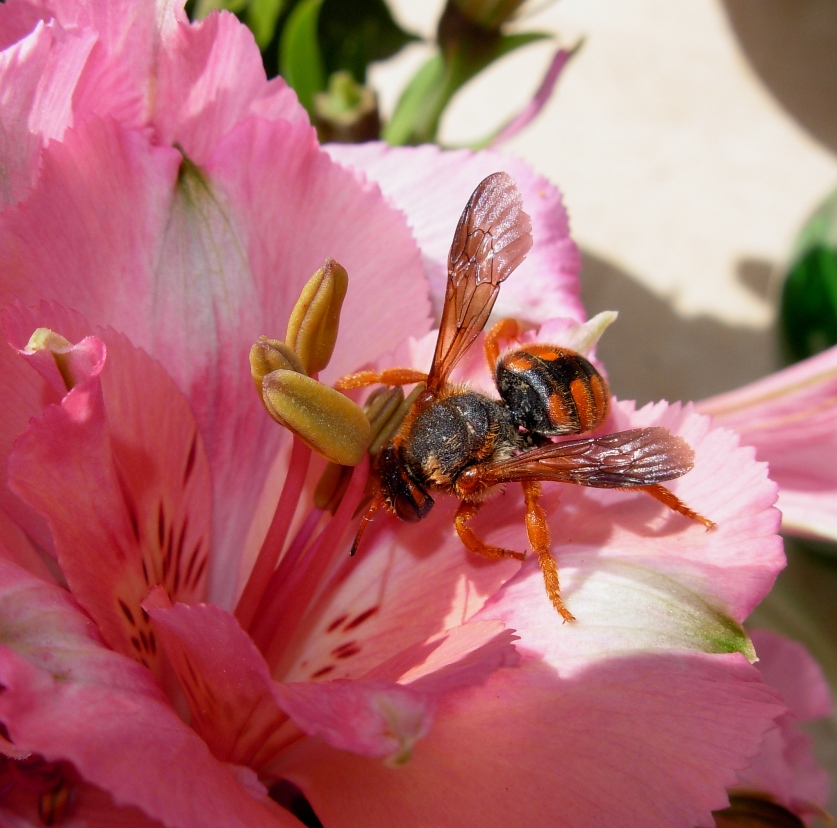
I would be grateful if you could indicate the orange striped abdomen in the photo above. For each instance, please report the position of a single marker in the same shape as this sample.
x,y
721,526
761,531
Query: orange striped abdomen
x,y
551,390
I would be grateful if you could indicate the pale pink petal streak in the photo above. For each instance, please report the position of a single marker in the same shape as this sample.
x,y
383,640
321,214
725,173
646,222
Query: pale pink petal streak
x,y
790,418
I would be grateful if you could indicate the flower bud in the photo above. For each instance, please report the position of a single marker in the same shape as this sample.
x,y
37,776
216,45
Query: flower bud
x,y
490,14
312,328
348,112
330,423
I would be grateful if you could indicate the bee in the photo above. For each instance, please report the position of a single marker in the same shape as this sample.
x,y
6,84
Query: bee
x,y
459,441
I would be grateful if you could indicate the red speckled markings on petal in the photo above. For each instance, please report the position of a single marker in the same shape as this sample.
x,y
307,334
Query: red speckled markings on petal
x,y
119,472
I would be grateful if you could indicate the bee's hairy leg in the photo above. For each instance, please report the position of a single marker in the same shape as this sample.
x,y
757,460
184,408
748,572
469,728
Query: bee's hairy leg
x,y
538,531
504,329
389,376
671,500
472,543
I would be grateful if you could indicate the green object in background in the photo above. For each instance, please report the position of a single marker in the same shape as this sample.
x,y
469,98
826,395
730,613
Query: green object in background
x,y
261,16
808,311
300,60
421,106
355,33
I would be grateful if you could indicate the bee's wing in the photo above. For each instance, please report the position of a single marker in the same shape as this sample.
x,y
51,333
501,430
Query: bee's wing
x,y
491,239
639,457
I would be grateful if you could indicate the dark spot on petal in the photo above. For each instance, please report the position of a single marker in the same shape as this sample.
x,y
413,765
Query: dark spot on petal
x,y
190,459
200,571
152,640
188,576
144,639
126,611
161,526
145,573
323,671
336,623
132,516
136,642
348,652
356,622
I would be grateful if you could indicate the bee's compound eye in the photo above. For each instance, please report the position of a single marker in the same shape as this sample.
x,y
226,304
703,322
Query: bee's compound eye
x,y
406,498
412,503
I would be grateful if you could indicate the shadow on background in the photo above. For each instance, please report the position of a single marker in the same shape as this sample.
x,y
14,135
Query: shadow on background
x,y
792,46
653,353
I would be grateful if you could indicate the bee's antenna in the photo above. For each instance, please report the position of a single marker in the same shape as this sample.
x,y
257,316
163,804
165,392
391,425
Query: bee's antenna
x,y
376,503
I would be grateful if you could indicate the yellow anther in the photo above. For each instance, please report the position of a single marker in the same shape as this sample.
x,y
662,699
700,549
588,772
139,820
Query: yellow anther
x,y
387,421
330,423
312,328
269,355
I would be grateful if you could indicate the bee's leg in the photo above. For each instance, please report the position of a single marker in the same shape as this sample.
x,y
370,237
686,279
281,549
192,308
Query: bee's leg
x,y
389,376
504,329
671,500
538,530
463,514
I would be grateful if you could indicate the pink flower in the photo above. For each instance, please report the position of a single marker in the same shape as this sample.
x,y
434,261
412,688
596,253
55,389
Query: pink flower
x,y
785,774
790,418
164,206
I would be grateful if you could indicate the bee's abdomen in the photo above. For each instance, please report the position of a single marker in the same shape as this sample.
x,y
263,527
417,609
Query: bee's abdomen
x,y
551,390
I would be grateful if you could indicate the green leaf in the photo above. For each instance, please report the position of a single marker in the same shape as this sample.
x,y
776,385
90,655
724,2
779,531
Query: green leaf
x,y
808,311
354,33
261,16
416,116
300,60
423,102
509,43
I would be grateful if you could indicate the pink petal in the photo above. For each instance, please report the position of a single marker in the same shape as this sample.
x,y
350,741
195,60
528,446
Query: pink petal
x,y
61,685
211,77
88,807
225,680
542,96
787,666
37,77
368,718
432,187
119,472
785,767
18,18
642,740
394,603
790,418
240,712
